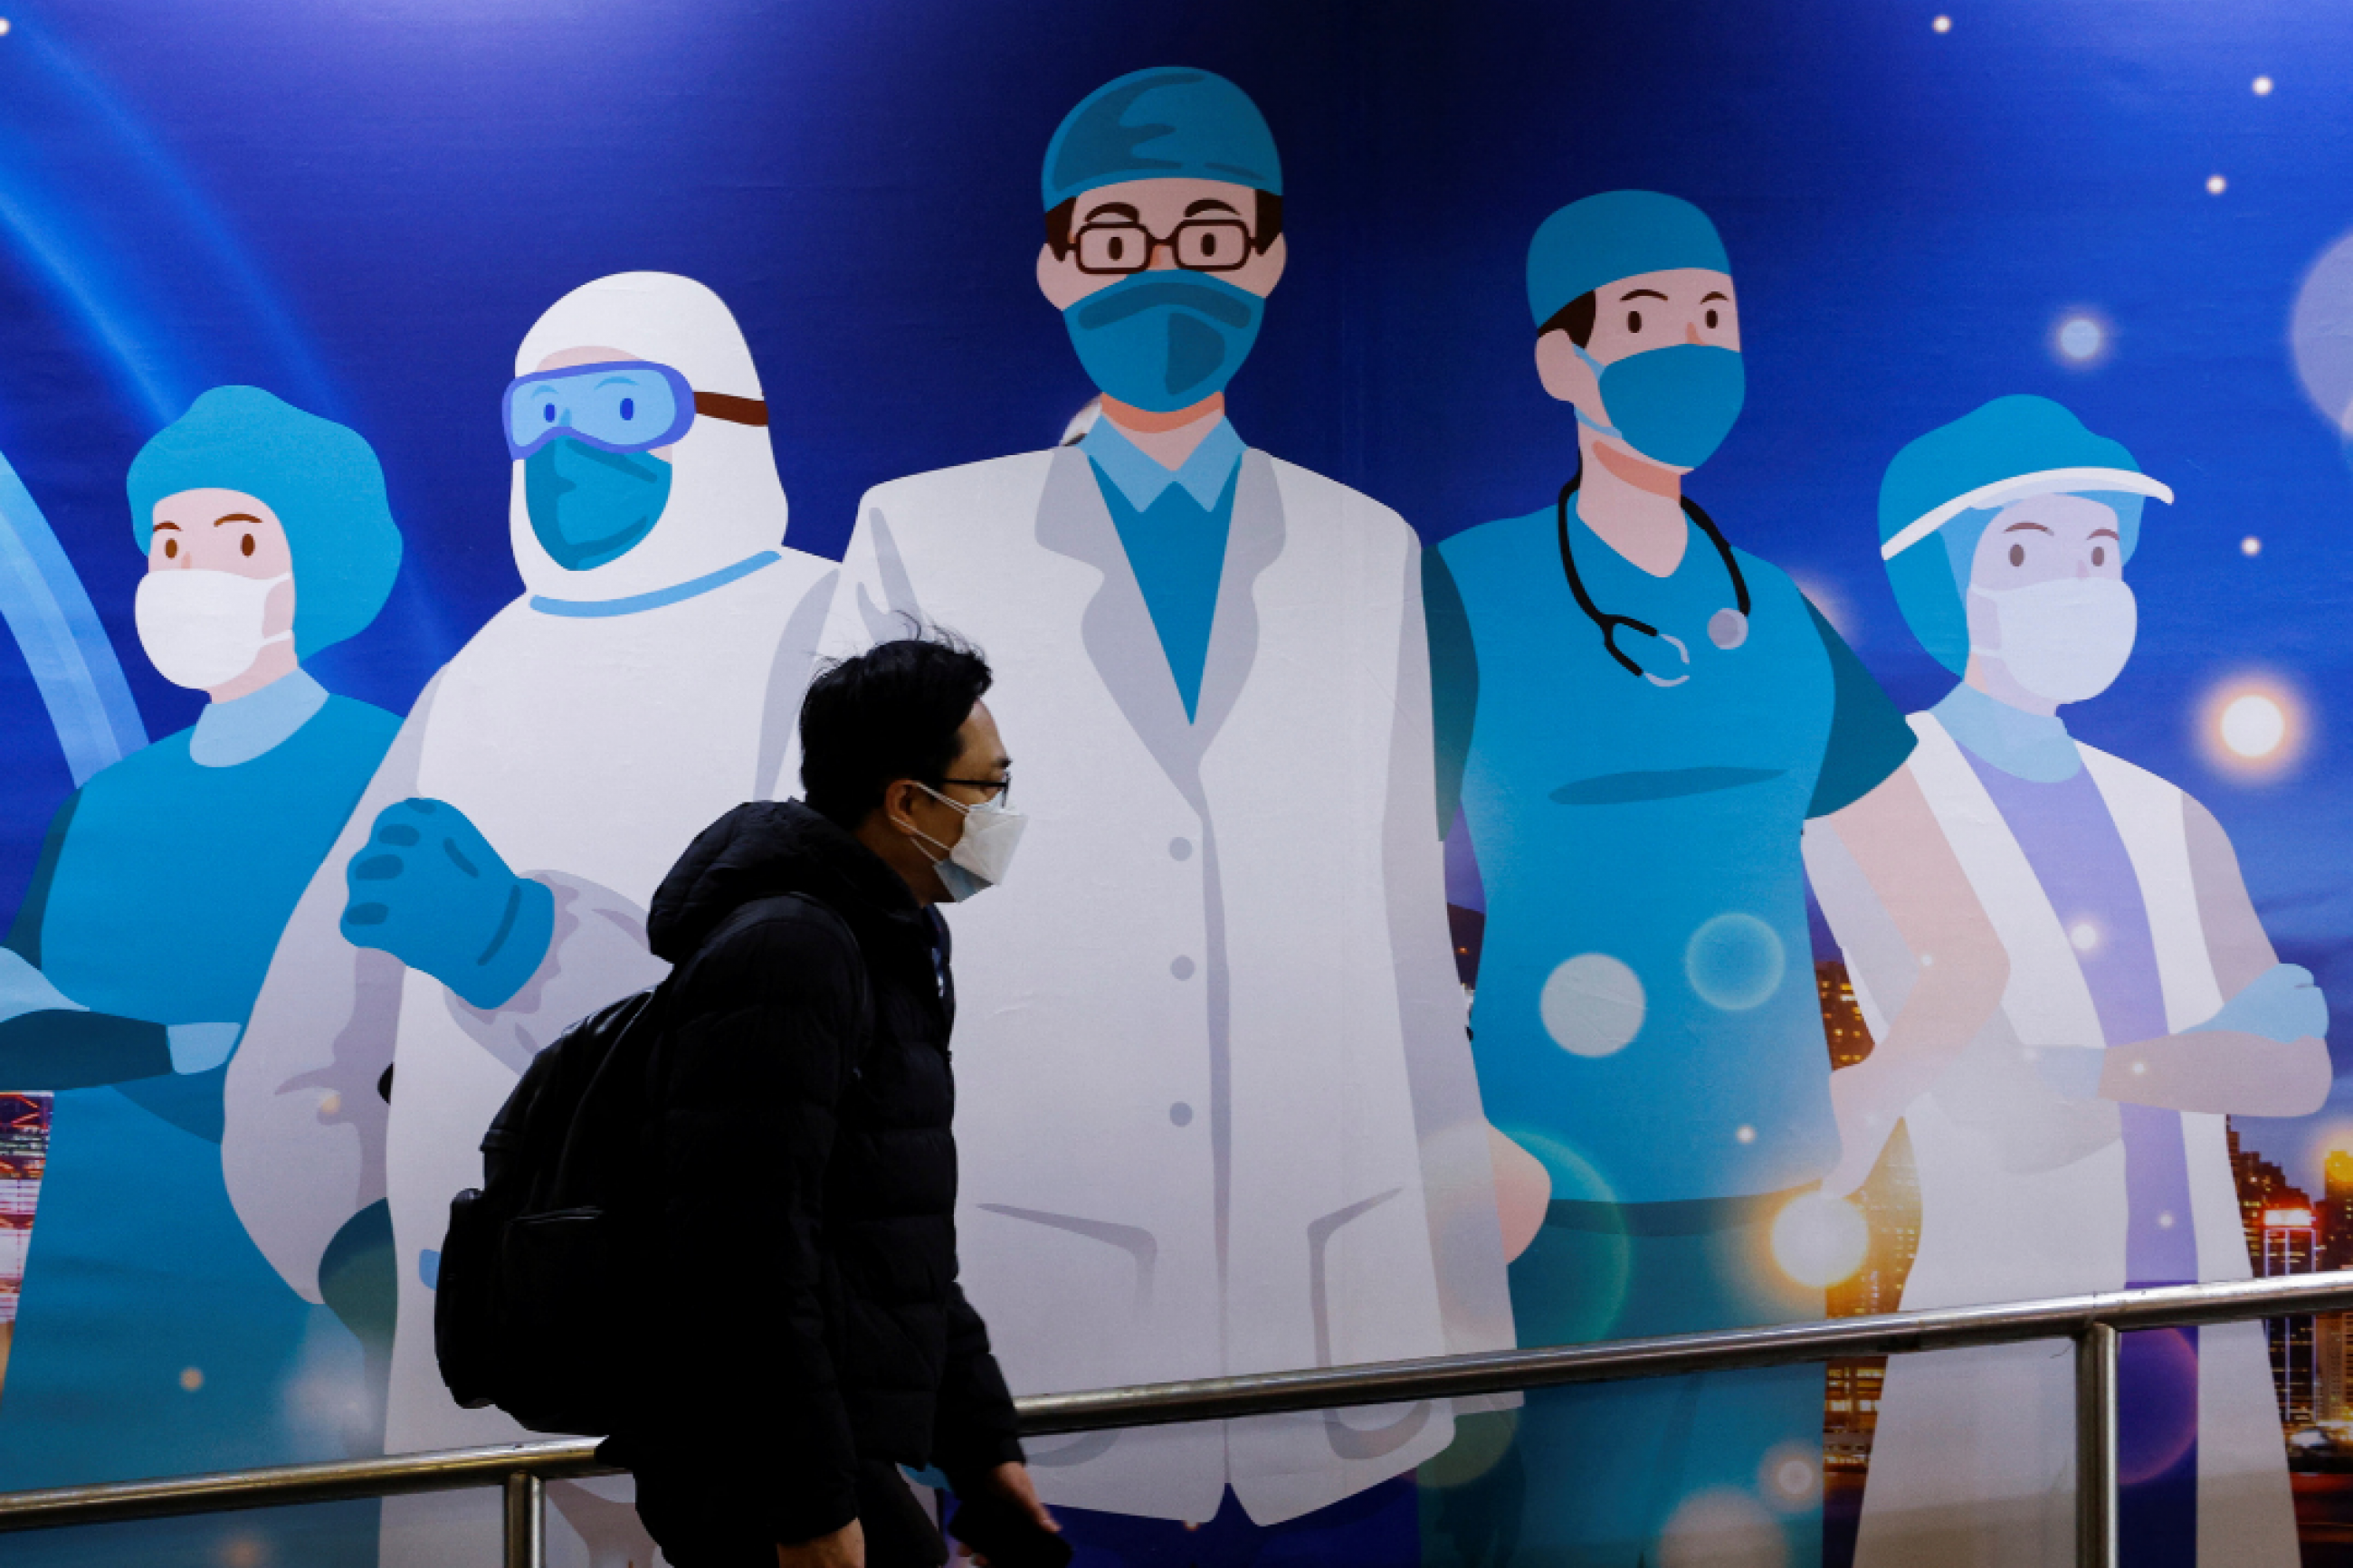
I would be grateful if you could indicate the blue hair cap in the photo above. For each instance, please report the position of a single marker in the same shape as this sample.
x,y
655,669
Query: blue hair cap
x,y
1954,480
1168,122
322,480
1615,235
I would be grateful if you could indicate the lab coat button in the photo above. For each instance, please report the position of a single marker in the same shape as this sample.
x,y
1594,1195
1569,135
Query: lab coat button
x,y
1181,1114
1180,849
1181,967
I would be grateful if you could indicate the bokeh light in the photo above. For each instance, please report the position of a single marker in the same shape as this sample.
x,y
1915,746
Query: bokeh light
x,y
2084,936
2251,547
2320,334
2262,87
1735,962
2081,338
2253,727
1942,24
2216,185
1593,1005
1819,1241
1719,1527
3,26
1790,1477
192,1378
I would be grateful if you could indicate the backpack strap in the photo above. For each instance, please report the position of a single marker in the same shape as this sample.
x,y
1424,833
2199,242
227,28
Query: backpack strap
x,y
863,1005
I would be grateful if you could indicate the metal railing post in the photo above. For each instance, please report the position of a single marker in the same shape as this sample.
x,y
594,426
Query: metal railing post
x,y
2095,1446
526,1521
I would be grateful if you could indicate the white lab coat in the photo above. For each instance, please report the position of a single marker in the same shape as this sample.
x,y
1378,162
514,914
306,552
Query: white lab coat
x,y
2022,1195
1216,1112
589,730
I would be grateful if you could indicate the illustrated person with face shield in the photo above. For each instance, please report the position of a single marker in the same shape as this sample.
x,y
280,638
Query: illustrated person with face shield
x,y
2071,1138
1636,719
152,1338
1216,1104
492,887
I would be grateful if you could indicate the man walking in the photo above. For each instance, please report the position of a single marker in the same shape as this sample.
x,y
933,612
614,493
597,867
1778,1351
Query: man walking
x,y
805,1333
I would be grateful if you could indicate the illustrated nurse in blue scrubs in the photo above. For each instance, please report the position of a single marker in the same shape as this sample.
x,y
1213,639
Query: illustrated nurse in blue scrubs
x,y
153,1339
1636,719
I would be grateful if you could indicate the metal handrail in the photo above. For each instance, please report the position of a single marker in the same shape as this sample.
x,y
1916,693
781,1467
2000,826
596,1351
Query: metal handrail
x,y
2094,1321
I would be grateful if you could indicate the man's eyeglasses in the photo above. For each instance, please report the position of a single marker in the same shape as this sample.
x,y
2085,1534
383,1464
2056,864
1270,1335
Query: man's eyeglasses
x,y
1199,245
999,790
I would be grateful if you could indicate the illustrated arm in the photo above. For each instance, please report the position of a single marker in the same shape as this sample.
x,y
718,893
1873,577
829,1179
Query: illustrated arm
x,y
1896,845
1459,1152
2265,1053
1453,682
748,1118
48,1040
596,953
305,1104
1869,739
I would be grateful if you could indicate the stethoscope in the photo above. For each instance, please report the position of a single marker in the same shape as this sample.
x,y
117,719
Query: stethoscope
x,y
1726,628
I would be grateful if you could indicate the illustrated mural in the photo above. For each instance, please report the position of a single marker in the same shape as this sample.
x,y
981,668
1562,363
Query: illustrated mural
x,y
1861,833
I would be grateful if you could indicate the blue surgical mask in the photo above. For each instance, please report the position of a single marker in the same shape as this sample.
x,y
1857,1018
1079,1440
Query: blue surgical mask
x,y
1675,404
1164,341
588,507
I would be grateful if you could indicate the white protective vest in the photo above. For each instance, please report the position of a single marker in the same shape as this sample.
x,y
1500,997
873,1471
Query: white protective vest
x,y
2023,1194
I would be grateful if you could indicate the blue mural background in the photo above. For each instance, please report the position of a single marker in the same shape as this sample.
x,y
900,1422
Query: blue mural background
x,y
363,206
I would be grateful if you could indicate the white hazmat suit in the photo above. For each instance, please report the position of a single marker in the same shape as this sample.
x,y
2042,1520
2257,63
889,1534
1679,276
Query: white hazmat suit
x,y
588,732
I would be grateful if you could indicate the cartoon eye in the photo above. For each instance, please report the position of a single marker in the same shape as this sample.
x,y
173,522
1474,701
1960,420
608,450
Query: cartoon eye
x,y
628,408
2099,555
246,547
1118,247
1633,321
1711,318
170,548
2018,556
548,412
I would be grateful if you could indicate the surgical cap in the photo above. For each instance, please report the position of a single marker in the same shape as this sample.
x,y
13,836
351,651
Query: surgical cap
x,y
1954,480
322,480
1615,235
1168,122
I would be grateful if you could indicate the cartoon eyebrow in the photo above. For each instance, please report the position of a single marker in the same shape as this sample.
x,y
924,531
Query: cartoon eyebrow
x,y
617,381
1111,209
2016,527
160,526
1715,294
1640,294
1209,206
236,517
2107,533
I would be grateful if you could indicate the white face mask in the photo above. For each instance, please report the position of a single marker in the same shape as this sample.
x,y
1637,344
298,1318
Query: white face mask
x,y
204,629
983,854
2064,640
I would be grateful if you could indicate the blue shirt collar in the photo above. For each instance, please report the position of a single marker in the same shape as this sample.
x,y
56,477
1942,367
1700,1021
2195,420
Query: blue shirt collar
x,y
242,727
1141,479
2024,745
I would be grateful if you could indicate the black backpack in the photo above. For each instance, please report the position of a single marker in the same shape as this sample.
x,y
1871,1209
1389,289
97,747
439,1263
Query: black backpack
x,y
528,1311
526,1307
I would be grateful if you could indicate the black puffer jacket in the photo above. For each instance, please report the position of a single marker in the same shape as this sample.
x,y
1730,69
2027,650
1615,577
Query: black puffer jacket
x,y
803,1305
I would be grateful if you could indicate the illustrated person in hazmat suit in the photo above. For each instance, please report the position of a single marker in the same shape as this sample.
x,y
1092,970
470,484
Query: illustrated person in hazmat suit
x,y
1639,718
491,889
152,1338
2074,1139
1216,1102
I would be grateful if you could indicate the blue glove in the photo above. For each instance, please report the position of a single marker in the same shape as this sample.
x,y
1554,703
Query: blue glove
x,y
200,1047
24,989
428,890
2281,1004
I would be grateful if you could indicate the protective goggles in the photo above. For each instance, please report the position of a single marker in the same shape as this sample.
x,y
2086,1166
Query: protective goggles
x,y
629,405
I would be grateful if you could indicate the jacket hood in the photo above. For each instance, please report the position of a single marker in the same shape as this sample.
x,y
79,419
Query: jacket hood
x,y
765,849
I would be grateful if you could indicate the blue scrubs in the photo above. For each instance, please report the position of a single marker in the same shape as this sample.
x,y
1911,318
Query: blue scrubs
x,y
1646,1022
152,1337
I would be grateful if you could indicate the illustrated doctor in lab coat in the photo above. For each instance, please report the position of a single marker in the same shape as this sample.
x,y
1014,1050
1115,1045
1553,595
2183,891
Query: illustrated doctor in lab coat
x,y
1218,1112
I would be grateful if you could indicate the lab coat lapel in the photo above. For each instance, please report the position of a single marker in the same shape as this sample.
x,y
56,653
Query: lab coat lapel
x,y
1117,628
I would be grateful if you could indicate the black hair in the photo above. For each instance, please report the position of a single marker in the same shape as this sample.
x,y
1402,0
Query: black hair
x,y
1263,233
892,712
1575,319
